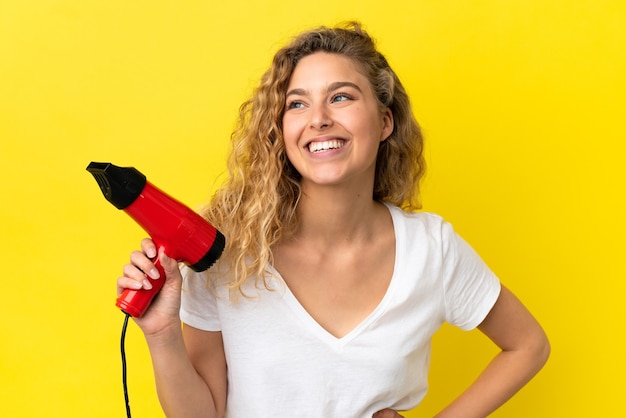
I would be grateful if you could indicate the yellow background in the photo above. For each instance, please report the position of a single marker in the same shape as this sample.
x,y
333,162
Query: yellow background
x,y
521,102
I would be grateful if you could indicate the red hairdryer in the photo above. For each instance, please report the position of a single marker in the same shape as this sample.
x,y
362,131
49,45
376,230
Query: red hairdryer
x,y
184,234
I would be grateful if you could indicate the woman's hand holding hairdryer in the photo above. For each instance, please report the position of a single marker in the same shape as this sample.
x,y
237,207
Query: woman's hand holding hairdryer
x,y
163,312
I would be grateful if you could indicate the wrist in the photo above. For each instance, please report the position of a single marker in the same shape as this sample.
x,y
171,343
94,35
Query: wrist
x,y
165,335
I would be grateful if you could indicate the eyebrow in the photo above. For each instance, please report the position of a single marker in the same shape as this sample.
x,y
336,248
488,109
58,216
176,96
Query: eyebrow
x,y
332,87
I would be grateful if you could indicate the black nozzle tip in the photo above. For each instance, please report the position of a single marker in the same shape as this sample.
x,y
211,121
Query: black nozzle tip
x,y
119,185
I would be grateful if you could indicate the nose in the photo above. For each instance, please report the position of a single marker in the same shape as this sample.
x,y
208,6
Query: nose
x,y
320,117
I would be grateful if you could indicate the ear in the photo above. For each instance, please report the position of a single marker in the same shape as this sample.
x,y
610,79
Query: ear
x,y
387,127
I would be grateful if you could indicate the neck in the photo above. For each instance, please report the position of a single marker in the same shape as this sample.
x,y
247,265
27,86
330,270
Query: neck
x,y
329,215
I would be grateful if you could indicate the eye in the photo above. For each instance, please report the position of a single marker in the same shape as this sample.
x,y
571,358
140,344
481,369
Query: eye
x,y
341,97
295,104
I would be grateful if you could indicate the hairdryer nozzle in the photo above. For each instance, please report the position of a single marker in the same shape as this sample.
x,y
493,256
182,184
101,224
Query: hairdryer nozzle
x,y
120,185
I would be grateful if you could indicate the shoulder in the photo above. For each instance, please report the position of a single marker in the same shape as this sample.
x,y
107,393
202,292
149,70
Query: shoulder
x,y
425,232
431,224
410,216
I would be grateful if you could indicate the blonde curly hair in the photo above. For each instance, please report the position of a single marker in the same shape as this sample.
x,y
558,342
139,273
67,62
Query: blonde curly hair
x,y
256,206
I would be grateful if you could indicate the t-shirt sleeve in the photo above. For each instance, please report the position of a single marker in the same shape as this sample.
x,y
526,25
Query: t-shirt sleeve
x,y
470,287
198,302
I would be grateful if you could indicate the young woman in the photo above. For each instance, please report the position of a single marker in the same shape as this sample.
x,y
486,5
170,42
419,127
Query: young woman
x,y
331,285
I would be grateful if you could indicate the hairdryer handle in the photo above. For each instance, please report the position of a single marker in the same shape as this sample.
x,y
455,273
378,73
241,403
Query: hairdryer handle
x,y
136,302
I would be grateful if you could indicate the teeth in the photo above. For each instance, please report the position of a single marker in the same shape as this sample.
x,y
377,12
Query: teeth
x,y
325,145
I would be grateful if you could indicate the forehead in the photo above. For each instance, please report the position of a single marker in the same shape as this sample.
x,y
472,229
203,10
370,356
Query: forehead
x,y
326,68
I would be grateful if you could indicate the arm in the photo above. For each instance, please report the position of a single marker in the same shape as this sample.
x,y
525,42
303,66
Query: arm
x,y
190,372
525,349
189,364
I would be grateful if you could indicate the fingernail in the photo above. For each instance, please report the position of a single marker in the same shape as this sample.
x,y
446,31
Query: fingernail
x,y
154,273
151,253
147,285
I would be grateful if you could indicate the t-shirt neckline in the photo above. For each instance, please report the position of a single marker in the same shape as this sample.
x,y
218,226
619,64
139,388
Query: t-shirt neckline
x,y
318,330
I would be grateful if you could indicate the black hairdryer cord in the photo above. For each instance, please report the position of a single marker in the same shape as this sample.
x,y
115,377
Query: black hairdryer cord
x,y
124,383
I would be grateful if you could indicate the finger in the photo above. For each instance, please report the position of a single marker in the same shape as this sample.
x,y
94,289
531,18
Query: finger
x,y
170,265
133,273
148,247
144,264
128,283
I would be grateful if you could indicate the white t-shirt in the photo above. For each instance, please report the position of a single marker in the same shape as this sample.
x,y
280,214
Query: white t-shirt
x,y
282,363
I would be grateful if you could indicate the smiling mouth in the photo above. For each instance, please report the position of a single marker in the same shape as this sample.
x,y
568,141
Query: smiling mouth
x,y
325,145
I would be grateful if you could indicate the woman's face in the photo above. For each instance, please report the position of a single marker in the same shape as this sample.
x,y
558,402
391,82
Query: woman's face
x,y
332,124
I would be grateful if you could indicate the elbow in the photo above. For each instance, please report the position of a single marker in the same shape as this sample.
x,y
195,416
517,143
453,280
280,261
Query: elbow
x,y
545,351
540,350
